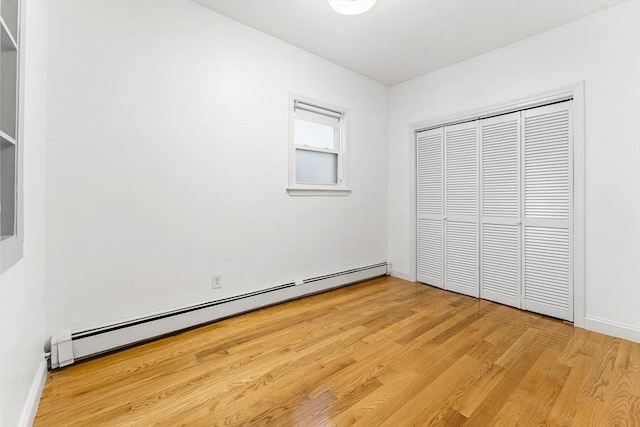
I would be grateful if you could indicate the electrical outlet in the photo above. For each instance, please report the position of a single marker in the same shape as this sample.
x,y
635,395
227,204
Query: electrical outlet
x,y
216,282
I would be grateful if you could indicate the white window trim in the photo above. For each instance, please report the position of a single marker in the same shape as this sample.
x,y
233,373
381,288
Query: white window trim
x,y
342,187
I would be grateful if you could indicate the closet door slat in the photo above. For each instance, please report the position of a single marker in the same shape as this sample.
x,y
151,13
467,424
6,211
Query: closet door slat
x,y
461,209
548,210
430,254
430,175
430,172
500,260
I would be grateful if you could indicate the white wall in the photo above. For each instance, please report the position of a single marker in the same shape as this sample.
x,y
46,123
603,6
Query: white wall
x,y
22,315
167,162
603,50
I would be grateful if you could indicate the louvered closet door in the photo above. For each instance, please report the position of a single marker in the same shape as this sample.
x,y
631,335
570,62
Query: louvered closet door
x,y
548,205
430,206
461,208
500,224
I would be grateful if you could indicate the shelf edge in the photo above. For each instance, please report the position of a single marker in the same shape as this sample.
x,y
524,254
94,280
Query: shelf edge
x,y
5,27
7,138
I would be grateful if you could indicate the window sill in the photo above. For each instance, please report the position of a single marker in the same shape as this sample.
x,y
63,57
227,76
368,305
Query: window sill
x,y
297,191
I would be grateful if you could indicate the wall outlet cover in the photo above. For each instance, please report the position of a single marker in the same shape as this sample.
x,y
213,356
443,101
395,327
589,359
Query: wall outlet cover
x,y
216,281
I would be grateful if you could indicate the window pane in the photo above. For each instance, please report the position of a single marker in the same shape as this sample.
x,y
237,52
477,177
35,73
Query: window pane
x,y
314,134
313,167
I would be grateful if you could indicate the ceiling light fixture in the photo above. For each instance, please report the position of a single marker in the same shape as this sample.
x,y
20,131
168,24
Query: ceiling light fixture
x,y
351,7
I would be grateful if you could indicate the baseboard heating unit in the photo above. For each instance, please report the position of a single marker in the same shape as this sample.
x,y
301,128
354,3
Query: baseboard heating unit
x,y
69,346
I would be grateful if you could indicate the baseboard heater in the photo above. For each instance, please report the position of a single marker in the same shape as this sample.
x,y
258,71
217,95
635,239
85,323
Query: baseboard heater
x,y
69,346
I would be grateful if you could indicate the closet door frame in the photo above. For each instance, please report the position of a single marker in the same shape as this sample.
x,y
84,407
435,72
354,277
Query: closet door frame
x,y
575,92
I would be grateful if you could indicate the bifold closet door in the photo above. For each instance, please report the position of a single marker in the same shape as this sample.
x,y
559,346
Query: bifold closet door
x,y
548,210
500,223
430,174
461,209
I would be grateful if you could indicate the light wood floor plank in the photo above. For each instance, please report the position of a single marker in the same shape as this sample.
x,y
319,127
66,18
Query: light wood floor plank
x,y
570,397
382,352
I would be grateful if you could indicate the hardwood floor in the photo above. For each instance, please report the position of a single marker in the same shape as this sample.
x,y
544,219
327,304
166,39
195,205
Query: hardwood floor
x,y
383,352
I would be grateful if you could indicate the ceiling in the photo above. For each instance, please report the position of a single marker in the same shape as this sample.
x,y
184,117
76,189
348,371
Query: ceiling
x,y
398,40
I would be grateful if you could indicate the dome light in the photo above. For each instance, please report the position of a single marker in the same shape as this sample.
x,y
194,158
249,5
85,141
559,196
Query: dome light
x,y
351,7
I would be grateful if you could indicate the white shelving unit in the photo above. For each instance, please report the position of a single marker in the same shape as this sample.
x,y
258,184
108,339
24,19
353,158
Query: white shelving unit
x,y
9,130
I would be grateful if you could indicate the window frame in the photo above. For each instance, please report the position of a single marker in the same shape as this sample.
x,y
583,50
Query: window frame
x,y
341,188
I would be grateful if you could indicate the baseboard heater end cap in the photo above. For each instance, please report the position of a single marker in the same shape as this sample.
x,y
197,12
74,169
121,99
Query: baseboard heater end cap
x,y
61,350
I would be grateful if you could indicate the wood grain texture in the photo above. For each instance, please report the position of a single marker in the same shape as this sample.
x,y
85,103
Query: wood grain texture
x,y
383,352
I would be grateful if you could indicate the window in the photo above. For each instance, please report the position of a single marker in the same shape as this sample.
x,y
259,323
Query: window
x,y
317,150
10,195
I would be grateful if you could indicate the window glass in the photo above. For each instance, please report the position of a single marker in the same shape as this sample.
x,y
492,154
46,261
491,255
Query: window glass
x,y
314,135
315,167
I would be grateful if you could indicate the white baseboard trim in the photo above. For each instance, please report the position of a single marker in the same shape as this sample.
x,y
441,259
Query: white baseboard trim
x,y
609,327
33,398
404,275
74,345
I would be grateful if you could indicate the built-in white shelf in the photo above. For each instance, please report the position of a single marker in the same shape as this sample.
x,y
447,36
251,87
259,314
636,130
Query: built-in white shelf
x,y
9,138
